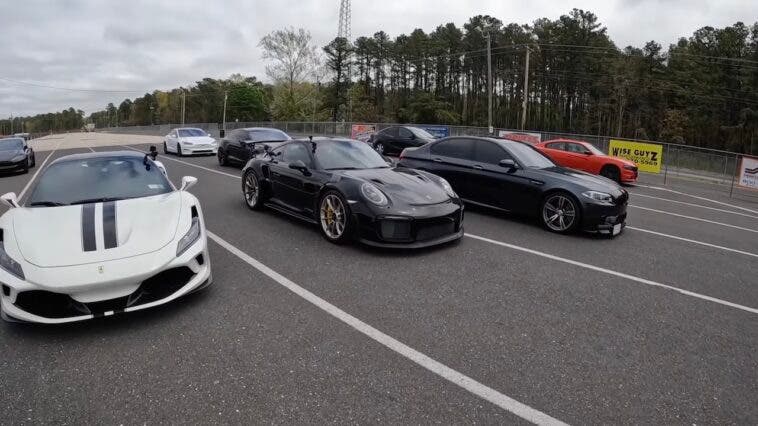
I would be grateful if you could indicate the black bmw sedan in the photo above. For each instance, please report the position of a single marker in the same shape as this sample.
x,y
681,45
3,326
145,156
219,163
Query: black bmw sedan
x,y
394,139
351,193
16,155
515,177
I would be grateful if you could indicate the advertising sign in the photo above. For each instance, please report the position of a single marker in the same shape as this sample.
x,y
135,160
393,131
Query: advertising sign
x,y
362,132
748,173
648,156
437,131
520,136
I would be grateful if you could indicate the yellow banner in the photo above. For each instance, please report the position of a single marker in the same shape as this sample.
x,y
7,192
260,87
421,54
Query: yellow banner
x,y
648,156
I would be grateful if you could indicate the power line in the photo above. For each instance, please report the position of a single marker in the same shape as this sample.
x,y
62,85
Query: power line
x,y
28,83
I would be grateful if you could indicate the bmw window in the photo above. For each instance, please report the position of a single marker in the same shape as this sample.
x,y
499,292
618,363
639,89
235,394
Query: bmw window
x,y
455,148
489,153
529,157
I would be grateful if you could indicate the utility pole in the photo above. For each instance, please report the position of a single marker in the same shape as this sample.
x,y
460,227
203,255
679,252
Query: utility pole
x,y
184,100
11,125
489,84
223,123
524,105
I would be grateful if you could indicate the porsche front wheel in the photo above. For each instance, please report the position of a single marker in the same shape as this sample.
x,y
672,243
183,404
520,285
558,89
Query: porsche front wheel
x,y
251,189
335,219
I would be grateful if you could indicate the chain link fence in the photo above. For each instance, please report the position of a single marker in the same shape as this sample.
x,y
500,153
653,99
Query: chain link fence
x,y
710,165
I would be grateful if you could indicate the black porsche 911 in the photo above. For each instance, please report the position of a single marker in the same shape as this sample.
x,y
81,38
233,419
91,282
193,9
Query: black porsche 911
x,y
515,177
352,193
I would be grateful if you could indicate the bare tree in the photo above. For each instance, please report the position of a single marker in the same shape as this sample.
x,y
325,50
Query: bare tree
x,y
292,55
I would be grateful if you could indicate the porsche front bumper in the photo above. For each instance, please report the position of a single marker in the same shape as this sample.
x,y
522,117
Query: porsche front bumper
x,y
111,289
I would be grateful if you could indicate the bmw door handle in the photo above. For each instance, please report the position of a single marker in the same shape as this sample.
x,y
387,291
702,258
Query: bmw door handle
x,y
437,160
477,167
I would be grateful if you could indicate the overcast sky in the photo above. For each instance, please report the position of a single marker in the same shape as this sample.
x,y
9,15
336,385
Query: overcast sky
x,y
141,45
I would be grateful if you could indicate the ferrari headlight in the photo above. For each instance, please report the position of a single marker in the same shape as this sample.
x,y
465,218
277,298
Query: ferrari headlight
x,y
10,265
373,194
598,196
190,237
449,189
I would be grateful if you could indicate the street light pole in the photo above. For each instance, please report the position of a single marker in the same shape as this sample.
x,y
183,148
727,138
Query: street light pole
x,y
184,100
524,105
489,84
223,119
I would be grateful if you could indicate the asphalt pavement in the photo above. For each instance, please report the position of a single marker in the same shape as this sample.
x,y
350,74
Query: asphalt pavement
x,y
659,325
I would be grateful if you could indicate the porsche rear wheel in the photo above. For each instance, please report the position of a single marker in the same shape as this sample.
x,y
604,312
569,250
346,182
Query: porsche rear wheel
x,y
334,217
560,213
251,189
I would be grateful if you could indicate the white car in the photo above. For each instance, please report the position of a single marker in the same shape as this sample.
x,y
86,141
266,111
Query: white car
x,y
189,141
101,233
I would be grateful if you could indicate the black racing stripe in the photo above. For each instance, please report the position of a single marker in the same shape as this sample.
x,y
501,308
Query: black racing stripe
x,y
109,224
88,227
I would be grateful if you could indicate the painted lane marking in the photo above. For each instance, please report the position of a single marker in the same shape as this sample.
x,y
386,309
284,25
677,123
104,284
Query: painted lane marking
x,y
614,273
746,253
695,218
485,392
188,163
695,205
658,188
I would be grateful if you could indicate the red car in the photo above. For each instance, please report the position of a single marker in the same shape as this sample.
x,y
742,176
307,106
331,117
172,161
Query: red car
x,y
584,156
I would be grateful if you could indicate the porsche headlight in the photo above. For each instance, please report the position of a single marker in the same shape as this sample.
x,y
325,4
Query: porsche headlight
x,y
190,237
598,196
10,265
373,194
449,189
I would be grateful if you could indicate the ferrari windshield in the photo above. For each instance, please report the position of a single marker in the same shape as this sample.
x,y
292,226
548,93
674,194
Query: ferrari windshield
x,y
347,155
98,179
11,144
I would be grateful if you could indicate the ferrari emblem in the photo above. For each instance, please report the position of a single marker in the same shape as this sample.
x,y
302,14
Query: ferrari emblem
x,y
100,269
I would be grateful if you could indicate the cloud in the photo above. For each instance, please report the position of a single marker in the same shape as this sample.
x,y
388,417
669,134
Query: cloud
x,y
142,45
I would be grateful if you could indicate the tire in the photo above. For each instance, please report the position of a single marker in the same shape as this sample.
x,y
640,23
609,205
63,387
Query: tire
x,y
165,147
253,201
329,217
34,161
222,158
179,150
380,148
611,172
557,209
26,166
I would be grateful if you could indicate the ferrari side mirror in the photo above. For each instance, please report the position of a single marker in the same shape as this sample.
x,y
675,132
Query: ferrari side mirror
x,y
10,199
188,182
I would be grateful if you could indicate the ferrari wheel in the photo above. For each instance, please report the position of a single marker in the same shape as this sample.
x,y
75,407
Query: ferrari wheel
x,y
334,217
222,159
560,213
379,147
251,189
165,147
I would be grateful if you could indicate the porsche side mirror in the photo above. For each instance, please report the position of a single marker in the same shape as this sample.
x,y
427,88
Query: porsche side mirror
x,y
188,182
300,166
509,164
153,152
10,199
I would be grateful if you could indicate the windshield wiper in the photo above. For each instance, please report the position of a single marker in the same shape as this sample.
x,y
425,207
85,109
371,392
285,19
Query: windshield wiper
x,y
345,168
47,204
97,200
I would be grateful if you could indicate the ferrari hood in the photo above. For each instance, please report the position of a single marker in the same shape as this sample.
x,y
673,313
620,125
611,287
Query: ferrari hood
x,y
100,232
403,185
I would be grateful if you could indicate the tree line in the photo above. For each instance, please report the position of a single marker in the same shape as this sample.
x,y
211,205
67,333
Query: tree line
x,y
700,91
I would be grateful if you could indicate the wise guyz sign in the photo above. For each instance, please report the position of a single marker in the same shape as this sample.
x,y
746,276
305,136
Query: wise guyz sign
x,y
648,156
748,173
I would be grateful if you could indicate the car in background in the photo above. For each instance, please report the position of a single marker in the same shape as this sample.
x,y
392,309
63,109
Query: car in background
x,y
16,155
25,136
240,145
584,156
189,141
394,139
351,193
515,177
101,234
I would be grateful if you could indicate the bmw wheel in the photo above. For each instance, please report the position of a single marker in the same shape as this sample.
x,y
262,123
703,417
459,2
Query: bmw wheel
x,y
251,189
560,213
379,147
334,217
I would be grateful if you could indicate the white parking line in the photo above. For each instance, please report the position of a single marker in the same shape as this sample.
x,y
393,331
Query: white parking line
x,y
614,273
658,188
165,157
39,169
695,205
696,218
483,391
746,253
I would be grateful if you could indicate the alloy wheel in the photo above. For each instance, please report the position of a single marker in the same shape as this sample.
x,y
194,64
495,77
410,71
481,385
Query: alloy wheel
x,y
559,213
379,148
251,190
333,217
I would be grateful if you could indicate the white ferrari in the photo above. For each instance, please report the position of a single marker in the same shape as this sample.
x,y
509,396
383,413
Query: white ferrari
x,y
101,234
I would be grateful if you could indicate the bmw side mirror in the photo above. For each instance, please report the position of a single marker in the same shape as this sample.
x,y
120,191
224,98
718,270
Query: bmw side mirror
x,y
10,199
509,164
188,182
